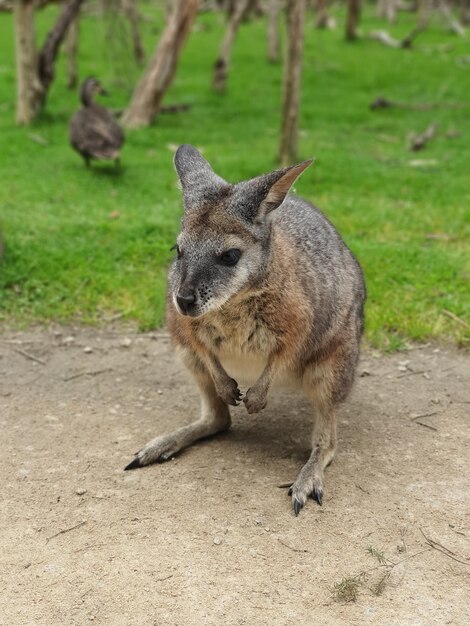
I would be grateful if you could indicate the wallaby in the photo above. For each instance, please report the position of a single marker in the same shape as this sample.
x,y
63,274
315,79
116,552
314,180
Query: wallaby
x,y
262,291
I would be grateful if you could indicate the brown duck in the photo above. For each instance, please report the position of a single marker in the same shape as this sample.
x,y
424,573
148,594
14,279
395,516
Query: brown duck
x,y
94,132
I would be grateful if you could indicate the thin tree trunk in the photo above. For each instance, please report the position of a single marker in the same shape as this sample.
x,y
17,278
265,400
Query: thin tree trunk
x,y
352,20
132,14
295,17
71,52
465,12
27,82
274,48
156,79
221,65
323,19
48,55
387,9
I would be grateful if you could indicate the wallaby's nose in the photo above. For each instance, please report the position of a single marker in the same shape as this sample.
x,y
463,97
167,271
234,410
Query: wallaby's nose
x,y
185,301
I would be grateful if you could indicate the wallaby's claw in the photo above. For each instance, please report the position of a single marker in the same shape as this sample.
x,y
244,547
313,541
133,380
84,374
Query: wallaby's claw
x,y
297,506
158,450
317,494
229,392
134,464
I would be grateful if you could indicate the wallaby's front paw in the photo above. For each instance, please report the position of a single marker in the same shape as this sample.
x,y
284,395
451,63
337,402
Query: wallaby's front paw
x,y
228,390
158,450
303,488
255,400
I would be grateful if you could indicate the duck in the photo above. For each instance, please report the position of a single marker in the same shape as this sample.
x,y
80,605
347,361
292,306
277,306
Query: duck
x,y
94,132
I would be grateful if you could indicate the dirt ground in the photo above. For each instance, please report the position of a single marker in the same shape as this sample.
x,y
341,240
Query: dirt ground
x,y
210,538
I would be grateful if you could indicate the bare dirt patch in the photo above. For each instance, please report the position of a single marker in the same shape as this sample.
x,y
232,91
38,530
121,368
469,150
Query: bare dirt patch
x,y
210,538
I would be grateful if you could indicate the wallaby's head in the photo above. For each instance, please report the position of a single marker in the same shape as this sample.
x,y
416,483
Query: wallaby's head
x,y
223,246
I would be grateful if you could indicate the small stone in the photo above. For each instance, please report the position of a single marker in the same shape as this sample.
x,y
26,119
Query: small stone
x,y
125,342
87,349
68,340
217,541
160,392
27,564
80,492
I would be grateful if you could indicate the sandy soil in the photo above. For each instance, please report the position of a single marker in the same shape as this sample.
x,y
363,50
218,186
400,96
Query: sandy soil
x,y
210,538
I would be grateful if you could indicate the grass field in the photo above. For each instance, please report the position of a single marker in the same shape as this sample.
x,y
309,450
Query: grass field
x,y
90,244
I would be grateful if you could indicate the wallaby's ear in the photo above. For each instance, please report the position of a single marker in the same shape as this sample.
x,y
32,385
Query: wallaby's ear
x,y
280,188
198,179
255,198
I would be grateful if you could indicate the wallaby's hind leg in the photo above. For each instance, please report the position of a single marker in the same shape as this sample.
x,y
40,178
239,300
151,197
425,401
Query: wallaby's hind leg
x,y
215,418
326,385
310,479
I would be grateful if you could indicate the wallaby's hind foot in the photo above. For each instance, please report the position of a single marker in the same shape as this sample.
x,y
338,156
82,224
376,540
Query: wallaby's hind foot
x,y
163,448
309,483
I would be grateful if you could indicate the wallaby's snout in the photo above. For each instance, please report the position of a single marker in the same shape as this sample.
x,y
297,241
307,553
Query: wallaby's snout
x,y
186,299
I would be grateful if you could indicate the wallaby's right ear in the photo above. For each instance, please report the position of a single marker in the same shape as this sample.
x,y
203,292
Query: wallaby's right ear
x,y
198,179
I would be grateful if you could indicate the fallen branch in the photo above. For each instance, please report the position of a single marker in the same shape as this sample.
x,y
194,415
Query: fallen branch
x,y
418,142
384,103
405,44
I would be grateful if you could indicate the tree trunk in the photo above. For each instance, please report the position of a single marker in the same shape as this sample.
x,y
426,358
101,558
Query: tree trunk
x,y
352,20
274,49
27,82
50,49
387,9
157,77
295,17
323,19
132,14
71,51
465,12
221,65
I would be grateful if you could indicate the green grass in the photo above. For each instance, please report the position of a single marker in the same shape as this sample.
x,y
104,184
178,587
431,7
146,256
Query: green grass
x,y
67,259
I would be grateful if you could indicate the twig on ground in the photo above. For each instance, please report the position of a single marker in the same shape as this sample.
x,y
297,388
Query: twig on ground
x,y
456,318
286,484
427,426
29,356
42,141
95,373
66,530
412,373
417,417
440,548
418,142
290,547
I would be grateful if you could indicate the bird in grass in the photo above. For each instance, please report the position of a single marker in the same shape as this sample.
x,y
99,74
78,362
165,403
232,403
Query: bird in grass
x,y
94,132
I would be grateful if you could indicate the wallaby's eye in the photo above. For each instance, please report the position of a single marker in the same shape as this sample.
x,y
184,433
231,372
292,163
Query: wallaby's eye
x,y
230,257
178,251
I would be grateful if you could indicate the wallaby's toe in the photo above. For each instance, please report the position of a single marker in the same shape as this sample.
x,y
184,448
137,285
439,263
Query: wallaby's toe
x,y
229,392
302,489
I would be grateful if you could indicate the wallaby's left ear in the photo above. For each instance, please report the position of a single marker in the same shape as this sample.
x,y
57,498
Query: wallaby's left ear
x,y
254,199
280,188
